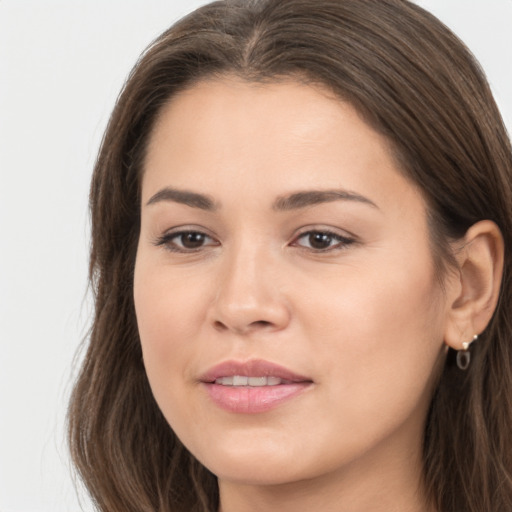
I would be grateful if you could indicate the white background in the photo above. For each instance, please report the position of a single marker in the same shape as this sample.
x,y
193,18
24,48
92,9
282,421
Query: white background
x,y
62,64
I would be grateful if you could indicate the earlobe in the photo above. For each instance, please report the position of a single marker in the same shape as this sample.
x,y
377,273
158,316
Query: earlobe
x,y
475,294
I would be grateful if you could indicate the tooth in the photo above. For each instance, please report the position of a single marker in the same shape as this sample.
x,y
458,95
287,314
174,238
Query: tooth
x,y
225,381
257,381
240,380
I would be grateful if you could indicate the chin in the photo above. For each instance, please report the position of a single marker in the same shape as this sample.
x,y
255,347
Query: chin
x,y
257,473
263,463
266,461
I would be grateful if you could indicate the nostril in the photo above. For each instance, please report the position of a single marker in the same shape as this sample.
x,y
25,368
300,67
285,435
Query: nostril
x,y
261,323
258,324
219,326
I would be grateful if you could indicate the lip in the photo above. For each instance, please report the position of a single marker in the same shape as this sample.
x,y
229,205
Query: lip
x,y
251,368
252,400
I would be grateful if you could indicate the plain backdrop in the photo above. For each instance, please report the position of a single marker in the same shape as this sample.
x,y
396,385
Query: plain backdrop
x,y
62,64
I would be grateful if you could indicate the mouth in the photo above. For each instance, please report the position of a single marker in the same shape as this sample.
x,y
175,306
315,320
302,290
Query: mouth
x,y
242,381
254,386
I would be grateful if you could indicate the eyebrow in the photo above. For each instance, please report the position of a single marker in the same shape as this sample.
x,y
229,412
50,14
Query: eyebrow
x,y
186,197
304,199
294,201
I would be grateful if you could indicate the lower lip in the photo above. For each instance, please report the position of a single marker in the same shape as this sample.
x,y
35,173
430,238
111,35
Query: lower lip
x,y
251,400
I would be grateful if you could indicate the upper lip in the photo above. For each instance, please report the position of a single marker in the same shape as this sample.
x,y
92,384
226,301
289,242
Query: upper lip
x,y
251,368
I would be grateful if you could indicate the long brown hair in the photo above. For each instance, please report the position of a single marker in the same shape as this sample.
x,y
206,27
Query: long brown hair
x,y
415,83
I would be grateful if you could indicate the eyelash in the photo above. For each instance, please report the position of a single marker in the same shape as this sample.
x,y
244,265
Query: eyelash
x,y
168,241
342,241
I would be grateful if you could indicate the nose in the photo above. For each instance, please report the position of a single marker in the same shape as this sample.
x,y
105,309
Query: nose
x,y
249,298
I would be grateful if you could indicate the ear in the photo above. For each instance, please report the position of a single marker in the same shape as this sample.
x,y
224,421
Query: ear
x,y
474,289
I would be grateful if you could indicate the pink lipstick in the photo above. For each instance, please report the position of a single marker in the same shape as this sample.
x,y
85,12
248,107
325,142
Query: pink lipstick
x,y
254,386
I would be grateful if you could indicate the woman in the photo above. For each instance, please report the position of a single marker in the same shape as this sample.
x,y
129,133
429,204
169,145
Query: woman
x,y
299,219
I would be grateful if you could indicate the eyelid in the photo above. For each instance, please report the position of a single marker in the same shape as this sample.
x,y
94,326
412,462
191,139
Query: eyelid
x,y
165,239
345,238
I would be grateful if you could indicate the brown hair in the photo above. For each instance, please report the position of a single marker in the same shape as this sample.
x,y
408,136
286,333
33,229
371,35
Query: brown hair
x,y
415,83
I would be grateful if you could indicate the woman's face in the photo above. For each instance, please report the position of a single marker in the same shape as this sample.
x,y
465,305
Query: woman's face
x,y
288,310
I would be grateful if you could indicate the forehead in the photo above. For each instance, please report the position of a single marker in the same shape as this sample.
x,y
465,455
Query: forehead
x,y
214,106
258,136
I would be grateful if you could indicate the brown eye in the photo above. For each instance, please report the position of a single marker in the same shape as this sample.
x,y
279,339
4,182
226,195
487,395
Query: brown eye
x,y
186,241
192,240
322,241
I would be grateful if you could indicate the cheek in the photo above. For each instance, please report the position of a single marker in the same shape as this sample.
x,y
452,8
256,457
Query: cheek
x,y
375,305
167,305
386,338
169,317
167,330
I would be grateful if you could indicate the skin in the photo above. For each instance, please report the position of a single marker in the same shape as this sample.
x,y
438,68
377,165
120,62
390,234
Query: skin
x,y
364,319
